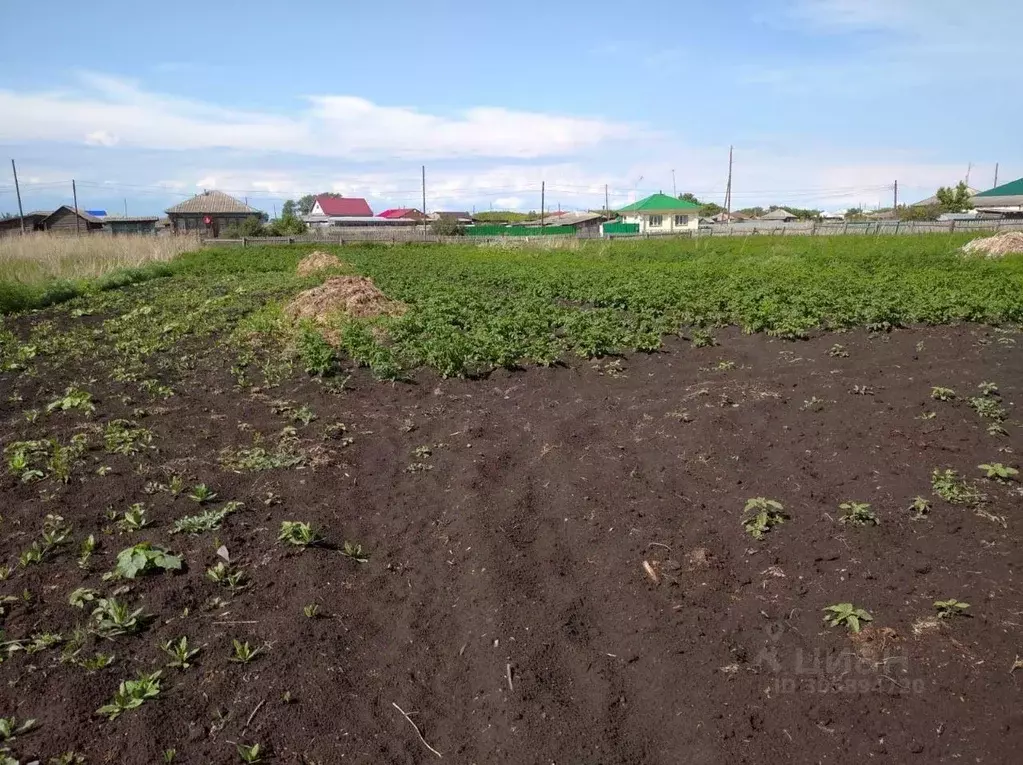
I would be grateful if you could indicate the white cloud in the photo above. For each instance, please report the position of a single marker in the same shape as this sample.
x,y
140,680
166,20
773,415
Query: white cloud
x,y
107,110
509,203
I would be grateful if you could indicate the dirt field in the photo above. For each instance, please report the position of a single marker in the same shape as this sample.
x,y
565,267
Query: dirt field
x,y
505,606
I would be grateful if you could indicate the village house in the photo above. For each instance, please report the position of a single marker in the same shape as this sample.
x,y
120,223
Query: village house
x,y
341,211
662,214
209,213
403,215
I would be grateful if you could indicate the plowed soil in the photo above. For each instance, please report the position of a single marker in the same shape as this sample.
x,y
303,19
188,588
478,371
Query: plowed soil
x,y
505,605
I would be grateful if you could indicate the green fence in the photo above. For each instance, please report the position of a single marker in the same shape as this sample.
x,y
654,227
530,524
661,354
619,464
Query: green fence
x,y
491,230
621,228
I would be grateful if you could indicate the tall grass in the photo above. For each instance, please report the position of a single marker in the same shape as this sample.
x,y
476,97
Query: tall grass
x,y
40,257
41,269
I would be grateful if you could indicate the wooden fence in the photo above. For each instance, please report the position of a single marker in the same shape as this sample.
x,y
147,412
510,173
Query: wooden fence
x,y
746,228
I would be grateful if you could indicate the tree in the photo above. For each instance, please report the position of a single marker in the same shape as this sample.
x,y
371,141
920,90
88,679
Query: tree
x,y
447,227
305,204
954,200
251,226
919,212
707,209
290,209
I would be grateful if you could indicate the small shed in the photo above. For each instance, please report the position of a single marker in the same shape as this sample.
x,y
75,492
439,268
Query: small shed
x,y
67,220
12,225
209,213
131,224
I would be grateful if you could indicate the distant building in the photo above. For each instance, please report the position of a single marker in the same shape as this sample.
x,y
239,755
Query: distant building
x,y
1006,199
662,214
406,215
726,217
583,222
341,211
130,224
209,213
781,215
65,220
32,222
460,217
832,216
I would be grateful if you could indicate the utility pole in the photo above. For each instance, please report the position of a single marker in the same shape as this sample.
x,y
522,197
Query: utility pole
x,y
126,208
969,169
74,194
895,208
607,203
728,188
424,200
996,174
674,190
543,196
17,190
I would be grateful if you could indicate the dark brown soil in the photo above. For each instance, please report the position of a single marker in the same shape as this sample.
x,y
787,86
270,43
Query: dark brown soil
x,y
505,605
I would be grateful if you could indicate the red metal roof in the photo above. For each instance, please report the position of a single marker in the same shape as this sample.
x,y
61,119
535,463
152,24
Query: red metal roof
x,y
345,207
401,212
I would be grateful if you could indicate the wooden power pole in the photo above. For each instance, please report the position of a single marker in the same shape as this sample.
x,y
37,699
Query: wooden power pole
x,y
78,220
424,200
607,203
17,191
543,197
728,188
996,175
895,208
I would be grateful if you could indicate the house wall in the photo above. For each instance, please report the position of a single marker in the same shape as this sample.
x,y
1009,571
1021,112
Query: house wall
x,y
132,227
64,222
190,223
668,226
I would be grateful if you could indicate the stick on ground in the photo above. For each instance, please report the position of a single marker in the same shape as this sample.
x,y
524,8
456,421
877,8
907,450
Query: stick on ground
x,y
416,727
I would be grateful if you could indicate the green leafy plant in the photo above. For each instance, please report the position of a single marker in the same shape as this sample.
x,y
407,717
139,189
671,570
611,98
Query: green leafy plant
x,y
857,514
210,520
243,653
355,552
988,408
202,494
144,558
311,610
299,534
85,551
998,471
760,515
41,641
68,758
10,728
251,753
126,437
134,519
846,614
131,694
81,596
953,488
838,351
226,576
943,394
181,655
948,608
112,618
920,507
988,389
702,338
318,356
73,399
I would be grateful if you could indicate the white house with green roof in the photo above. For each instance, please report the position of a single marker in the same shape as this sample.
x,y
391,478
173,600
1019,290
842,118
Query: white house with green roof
x,y
662,214
1007,198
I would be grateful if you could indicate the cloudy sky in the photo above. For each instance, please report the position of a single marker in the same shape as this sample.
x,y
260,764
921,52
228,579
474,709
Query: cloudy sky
x,y
827,102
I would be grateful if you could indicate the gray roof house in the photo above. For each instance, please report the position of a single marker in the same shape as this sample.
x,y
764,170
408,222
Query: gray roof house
x,y
780,215
209,213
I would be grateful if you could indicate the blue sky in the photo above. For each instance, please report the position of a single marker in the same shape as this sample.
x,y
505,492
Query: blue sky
x,y
827,102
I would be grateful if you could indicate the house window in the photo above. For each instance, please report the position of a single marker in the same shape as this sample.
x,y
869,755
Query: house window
x,y
681,220
656,221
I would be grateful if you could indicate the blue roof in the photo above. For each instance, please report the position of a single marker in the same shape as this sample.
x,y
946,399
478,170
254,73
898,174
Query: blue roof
x,y
96,213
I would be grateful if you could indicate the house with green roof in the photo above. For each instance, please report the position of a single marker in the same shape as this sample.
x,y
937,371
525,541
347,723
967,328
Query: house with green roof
x,y
1007,198
662,214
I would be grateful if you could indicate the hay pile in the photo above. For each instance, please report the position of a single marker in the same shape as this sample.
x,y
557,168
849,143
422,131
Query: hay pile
x,y
354,296
996,246
317,261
